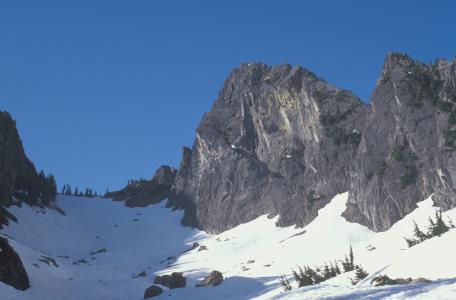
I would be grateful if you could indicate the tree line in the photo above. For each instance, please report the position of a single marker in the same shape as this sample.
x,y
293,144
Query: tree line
x,y
87,192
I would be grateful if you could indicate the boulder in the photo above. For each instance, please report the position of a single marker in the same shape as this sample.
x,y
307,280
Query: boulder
x,y
385,280
174,281
153,291
202,248
12,271
213,279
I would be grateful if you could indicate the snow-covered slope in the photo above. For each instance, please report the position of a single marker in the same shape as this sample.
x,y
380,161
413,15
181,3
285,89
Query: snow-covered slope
x,y
135,240
251,256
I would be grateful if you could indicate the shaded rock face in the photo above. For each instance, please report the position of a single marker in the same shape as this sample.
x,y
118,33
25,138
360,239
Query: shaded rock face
x,y
12,271
278,140
407,147
18,176
281,141
145,192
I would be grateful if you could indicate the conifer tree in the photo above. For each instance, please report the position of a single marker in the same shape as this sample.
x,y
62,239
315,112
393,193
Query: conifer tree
x,y
439,227
419,236
326,272
285,283
360,274
337,268
348,263
302,278
68,190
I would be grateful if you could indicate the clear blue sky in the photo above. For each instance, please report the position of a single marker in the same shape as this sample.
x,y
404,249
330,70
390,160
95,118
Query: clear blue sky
x,y
104,91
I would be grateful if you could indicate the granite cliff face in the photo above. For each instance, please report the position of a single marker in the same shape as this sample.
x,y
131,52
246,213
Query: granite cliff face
x,y
282,141
407,150
277,141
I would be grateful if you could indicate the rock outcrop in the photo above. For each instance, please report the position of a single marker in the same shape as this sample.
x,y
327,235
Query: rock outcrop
x,y
12,271
140,193
19,180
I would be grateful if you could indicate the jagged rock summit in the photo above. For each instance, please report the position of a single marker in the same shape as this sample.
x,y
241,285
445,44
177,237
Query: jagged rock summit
x,y
282,141
277,141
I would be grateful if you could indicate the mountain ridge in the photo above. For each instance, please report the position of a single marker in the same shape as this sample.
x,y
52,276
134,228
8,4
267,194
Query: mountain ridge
x,y
280,140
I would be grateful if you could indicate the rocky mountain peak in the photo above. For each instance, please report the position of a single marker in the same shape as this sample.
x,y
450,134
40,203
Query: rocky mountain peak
x,y
279,140
395,60
268,143
165,175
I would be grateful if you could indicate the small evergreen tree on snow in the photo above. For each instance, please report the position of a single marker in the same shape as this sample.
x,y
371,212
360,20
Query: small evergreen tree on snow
x,y
435,228
309,276
327,274
438,227
348,264
302,278
419,236
285,283
360,274
336,268
314,275
76,192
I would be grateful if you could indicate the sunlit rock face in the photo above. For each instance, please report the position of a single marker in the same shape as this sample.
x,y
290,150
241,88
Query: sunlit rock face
x,y
407,149
278,140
